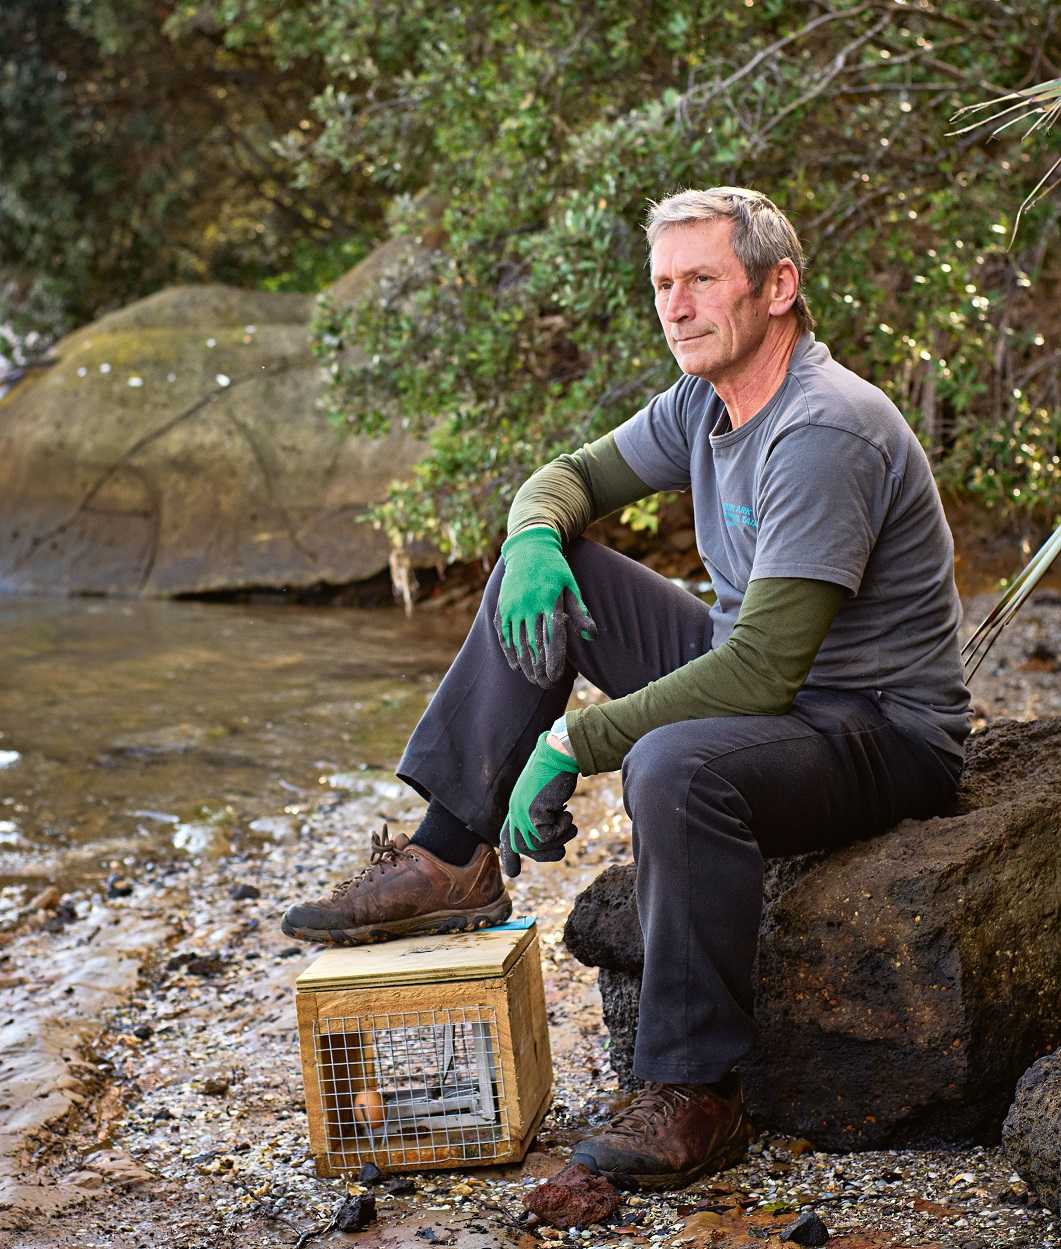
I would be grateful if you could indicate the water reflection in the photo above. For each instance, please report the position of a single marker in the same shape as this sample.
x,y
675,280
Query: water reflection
x,y
147,729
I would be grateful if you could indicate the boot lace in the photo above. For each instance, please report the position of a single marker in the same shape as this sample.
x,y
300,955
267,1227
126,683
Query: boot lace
x,y
650,1110
384,855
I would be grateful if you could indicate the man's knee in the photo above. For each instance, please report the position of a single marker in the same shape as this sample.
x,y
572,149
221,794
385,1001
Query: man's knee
x,y
591,562
658,769
677,800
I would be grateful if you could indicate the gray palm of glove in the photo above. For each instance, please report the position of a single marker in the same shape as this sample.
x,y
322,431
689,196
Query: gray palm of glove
x,y
554,827
543,663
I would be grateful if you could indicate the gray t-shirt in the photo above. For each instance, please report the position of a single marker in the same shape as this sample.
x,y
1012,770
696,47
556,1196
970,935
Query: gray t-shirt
x,y
826,482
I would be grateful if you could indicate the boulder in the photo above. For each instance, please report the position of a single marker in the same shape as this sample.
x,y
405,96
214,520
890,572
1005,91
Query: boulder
x,y
1031,1135
176,447
903,983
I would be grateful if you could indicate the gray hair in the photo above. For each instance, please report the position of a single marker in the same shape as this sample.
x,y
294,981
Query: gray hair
x,y
762,234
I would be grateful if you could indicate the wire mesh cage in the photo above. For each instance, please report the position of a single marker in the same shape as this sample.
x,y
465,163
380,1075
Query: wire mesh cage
x,y
425,1052
423,1081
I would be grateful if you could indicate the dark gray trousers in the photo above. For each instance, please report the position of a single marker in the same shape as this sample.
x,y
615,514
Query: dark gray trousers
x,y
708,798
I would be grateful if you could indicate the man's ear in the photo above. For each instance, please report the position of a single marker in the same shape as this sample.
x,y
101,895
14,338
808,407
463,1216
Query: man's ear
x,y
784,288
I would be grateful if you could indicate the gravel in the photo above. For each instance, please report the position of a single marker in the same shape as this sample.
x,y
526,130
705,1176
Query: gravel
x,y
198,1102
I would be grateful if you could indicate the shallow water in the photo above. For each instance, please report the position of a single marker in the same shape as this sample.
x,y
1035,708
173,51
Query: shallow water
x,y
149,730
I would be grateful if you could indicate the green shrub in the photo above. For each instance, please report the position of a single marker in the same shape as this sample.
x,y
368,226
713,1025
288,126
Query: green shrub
x,y
524,324
137,149
516,142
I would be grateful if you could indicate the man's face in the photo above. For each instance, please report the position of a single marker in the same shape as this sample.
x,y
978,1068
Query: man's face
x,y
712,320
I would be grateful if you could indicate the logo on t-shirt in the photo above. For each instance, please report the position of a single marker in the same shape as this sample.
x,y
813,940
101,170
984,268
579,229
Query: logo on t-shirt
x,y
739,516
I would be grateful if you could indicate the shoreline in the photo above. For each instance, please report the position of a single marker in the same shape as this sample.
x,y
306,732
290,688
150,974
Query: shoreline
x,y
148,1098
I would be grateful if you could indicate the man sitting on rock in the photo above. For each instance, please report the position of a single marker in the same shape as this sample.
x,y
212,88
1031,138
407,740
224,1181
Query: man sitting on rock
x,y
819,699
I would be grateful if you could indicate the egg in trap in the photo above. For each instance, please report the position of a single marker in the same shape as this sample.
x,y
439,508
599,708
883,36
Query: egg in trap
x,y
425,1052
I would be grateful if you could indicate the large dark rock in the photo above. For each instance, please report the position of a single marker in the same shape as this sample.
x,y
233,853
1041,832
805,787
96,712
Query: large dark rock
x,y
1031,1135
903,983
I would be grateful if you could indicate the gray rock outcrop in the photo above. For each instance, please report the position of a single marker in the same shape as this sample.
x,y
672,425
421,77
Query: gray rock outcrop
x,y
1031,1135
176,447
904,983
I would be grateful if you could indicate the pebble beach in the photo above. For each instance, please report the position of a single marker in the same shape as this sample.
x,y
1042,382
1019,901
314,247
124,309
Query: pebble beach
x,y
154,1091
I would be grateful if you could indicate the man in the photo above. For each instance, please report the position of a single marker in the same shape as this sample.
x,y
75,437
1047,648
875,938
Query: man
x,y
818,701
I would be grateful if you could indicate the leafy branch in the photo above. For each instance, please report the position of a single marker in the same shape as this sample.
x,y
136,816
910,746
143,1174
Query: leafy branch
x,y
521,323
1040,107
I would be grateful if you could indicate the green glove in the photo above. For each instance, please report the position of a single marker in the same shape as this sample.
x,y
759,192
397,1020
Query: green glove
x,y
539,824
538,597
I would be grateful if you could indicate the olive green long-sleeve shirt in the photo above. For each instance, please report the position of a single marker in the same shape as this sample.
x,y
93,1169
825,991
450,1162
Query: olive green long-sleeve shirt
x,y
758,670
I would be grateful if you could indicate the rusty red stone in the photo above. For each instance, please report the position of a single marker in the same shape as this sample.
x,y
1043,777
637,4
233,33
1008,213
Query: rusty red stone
x,y
573,1198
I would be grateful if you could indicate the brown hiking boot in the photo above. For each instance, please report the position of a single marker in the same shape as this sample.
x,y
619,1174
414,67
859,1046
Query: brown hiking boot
x,y
406,891
671,1134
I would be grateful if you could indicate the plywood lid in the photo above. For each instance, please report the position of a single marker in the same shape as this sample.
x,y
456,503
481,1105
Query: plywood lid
x,y
481,955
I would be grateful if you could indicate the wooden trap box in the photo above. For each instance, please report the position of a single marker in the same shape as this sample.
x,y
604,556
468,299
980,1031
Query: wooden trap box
x,y
425,1052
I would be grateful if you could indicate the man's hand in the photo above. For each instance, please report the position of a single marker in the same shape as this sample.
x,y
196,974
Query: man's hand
x,y
538,597
539,824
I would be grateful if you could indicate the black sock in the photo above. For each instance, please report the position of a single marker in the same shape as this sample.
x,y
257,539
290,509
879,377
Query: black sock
x,y
445,836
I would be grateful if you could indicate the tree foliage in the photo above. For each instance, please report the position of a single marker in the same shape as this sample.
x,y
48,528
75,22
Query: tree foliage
x,y
138,149
524,322
516,142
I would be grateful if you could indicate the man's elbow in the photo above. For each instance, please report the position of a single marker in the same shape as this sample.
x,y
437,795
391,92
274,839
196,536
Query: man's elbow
x,y
768,687
777,697
777,707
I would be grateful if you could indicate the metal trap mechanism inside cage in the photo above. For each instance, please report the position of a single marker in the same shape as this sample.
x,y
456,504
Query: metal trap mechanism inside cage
x,y
423,1078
